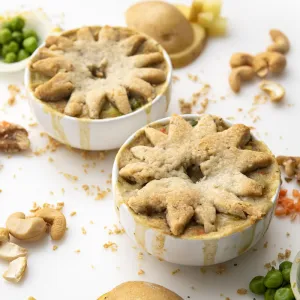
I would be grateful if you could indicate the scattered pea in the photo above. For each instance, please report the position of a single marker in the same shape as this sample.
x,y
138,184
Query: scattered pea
x,y
30,44
5,36
28,33
270,294
257,286
13,47
22,54
273,279
17,23
285,265
10,57
17,36
284,294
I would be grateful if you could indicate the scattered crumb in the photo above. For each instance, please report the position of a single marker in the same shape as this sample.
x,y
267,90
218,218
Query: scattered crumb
x,y
203,270
185,107
83,230
73,213
221,268
268,266
287,253
192,77
63,191
116,230
141,272
70,177
175,271
0,191
288,234
281,256
273,262
266,245
50,159
140,255
60,205
111,245
204,104
31,298
101,195
242,291
240,109
54,247
175,78
77,251
92,222
33,124
13,91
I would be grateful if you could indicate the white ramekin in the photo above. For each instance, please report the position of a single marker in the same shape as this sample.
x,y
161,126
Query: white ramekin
x,y
103,134
187,251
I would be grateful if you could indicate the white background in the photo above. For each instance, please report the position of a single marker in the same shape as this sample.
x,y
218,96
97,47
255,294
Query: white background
x,y
63,274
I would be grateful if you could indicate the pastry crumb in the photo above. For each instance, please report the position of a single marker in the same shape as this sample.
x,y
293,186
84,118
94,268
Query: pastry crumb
x,y
13,91
73,213
268,266
77,251
175,78
70,177
266,245
175,271
54,247
242,291
50,159
111,245
185,107
116,230
83,230
287,253
141,272
192,77
204,104
31,298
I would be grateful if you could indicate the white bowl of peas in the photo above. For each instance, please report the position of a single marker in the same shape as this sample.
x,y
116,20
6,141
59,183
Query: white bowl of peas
x,y
20,34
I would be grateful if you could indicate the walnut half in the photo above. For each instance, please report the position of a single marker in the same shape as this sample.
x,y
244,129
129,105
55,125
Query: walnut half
x,y
13,138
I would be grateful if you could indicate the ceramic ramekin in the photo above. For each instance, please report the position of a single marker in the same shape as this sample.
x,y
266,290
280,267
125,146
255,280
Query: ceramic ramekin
x,y
202,251
103,134
295,277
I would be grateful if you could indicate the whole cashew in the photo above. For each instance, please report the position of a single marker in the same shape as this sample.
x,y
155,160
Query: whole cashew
x,y
238,75
22,228
281,42
4,235
56,219
241,59
268,61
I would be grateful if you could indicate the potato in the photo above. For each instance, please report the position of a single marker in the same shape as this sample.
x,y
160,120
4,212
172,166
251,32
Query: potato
x,y
205,19
213,6
163,22
218,27
184,9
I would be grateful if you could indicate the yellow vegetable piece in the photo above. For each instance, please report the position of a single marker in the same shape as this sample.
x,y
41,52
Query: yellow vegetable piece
x,y
213,6
205,19
218,27
184,9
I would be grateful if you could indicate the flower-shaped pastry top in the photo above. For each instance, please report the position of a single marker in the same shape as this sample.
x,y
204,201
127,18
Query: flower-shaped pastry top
x,y
91,66
166,184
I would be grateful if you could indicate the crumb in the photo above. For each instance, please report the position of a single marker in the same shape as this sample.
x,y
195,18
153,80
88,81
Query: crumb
x,y
185,107
175,271
92,266
273,262
203,270
54,247
175,78
77,251
111,245
140,255
51,193
31,298
288,234
266,245
242,291
59,205
221,269
102,171
195,97
204,104
73,213
70,177
268,266
192,77
13,91
83,230
116,230
141,272
63,191
92,222
240,109
227,298
0,191
287,253
281,256
101,195
50,159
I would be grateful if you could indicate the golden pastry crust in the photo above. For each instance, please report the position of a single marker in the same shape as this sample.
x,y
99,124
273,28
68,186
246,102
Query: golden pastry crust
x,y
94,68
193,174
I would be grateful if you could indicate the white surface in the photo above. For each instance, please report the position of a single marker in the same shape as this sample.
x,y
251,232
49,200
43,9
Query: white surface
x,y
63,274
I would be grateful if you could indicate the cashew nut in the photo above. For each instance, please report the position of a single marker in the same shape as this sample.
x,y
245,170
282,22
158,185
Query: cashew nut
x,y
290,167
4,235
273,89
268,61
238,75
29,229
241,59
16,270
281,42
56,219
10,251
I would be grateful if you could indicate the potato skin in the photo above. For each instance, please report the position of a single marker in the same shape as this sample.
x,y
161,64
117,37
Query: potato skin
x,y
163,22
133,290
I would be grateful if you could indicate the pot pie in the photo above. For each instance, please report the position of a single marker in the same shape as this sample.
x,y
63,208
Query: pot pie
x,y
196,177
98,72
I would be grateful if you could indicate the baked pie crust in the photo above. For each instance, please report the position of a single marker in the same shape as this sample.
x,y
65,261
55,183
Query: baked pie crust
x,y
181,179
88,71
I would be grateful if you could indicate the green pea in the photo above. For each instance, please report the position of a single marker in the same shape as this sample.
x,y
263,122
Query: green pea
x,y
17,23
193,122
285,265
13,47
4,50
135,103
5,36
257,286
6,24
28,33
286,273
30,44
22,54
270,294
111,112
10,57
284,294
17,36
273,279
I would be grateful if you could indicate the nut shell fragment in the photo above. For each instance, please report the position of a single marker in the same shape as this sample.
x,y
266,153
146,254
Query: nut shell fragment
x,y
16,270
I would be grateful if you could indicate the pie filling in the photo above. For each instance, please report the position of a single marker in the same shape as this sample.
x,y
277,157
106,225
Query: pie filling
x,y
98,72
197,177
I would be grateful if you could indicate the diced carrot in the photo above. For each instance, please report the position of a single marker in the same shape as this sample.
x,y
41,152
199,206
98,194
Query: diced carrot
x,y
282,193
296,193
163,130
280,212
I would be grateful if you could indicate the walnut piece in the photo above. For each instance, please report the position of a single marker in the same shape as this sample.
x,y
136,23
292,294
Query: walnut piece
x,y
219,156
13,138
